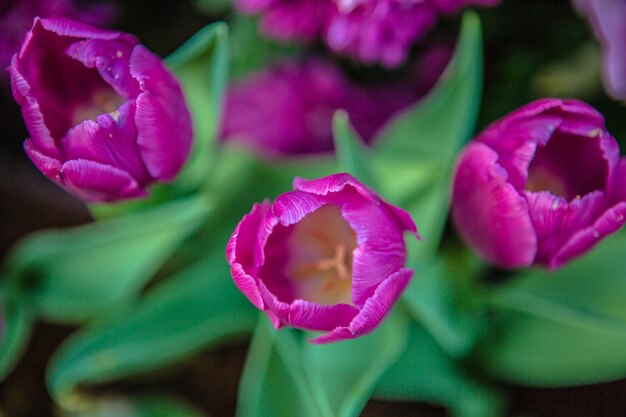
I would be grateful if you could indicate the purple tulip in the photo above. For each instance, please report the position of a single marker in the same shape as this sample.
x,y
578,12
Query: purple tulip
x,y
381,31
105,116
608,20
288,110
540,186
370,31
328,257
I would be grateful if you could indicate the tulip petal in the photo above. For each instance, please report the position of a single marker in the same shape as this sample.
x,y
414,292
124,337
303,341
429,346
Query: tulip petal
x,y
247,285
617,189
609,222
555,220
313,316
333,184
94,181
374,310
292,207
242,245
489,213
276,310
163,121
381,250
111,58
50,167
71,28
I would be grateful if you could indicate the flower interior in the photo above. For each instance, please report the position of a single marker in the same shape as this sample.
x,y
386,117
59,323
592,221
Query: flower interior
x,y
68,92
568,166
312,259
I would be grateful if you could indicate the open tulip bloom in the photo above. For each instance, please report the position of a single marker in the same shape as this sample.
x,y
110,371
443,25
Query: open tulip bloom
x,y
540,186
328,256
106,118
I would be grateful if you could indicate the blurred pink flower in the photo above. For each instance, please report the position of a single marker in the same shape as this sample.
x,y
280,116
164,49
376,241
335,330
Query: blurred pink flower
x,y
608,20
289,109
370,31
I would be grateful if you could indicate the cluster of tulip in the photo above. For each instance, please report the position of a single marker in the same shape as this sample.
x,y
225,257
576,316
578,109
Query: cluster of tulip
x,y
111,122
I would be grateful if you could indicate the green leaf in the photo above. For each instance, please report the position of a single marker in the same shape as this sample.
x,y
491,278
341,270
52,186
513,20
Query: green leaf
x,y
343,375
201,65
437,126
425,373
562,328
153,405
274,382
16,324
193,310
250,51
424,140
352,155
444,304
73,275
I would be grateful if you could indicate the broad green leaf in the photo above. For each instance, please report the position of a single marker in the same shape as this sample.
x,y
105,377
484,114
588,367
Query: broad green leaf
x,y
16,323
274,382
437,126
445,305
343,375
562,328
201,65
423,141
252,51
192,310
72,275
153,405
352,155
425,373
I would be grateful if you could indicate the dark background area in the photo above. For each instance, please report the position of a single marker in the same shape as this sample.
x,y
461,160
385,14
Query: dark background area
x,y
522,38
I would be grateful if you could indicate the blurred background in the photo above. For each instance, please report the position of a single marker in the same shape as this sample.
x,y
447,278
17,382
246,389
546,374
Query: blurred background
x,y
533,48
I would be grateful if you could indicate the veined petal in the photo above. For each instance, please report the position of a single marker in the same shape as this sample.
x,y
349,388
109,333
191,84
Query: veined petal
x,y
247,285
609,222
333,184
313,316
94,181
488,211
244,241
50,167
291,207
163,121
555,220
374,310
381,250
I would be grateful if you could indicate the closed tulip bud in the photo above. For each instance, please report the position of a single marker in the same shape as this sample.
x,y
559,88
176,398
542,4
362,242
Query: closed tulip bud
x,y
105,117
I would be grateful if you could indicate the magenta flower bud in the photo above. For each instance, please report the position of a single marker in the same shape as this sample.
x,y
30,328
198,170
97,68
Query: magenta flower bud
x,y
288,109
328,257
608,20
105,116
540,186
